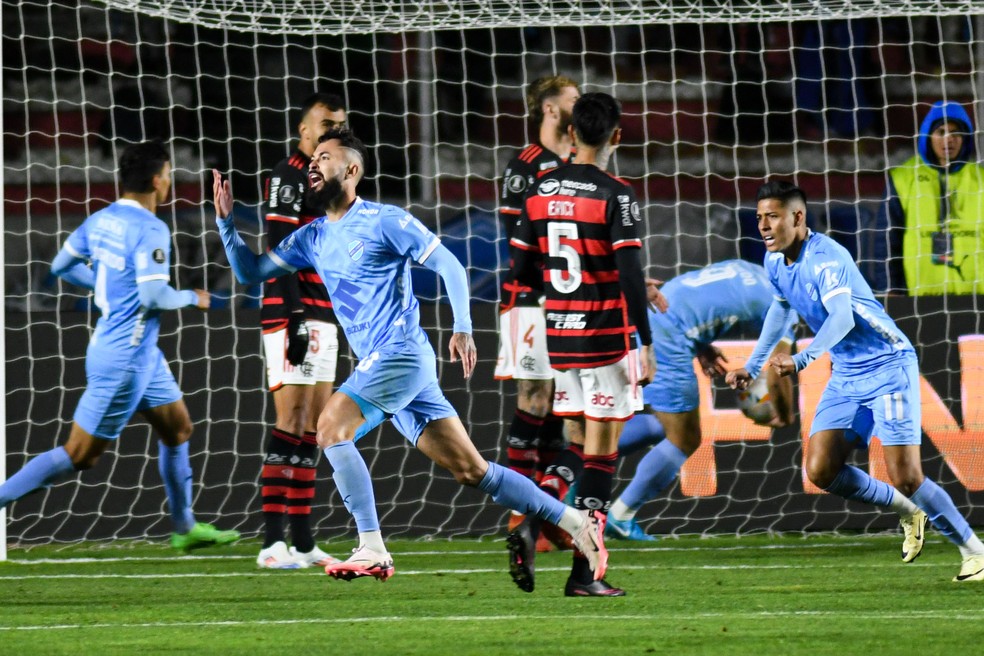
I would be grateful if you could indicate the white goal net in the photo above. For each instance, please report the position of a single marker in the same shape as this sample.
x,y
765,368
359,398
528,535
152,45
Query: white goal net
x,y
717,96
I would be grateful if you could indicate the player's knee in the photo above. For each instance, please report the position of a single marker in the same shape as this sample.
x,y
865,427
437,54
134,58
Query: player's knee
x,y
820,473
907,481
469,473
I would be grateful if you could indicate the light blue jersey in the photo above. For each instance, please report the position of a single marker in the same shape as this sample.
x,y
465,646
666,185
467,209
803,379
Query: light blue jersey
x,y
825,269
364,261
705,305
127,245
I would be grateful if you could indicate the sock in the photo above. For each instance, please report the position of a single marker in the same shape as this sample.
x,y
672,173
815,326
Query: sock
x,y
549,443
300,493
175,469
852,483
972,547
40,471
373,540
354,484
594,490
937,504
902,505
641,431
512,490
275,479
563,471
656,470
521,442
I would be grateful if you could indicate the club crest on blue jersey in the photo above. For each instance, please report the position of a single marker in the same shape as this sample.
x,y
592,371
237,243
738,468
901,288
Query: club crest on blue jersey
x,y
356,249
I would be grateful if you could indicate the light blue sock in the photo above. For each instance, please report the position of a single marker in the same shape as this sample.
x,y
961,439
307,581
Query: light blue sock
x,y
642,430
852,483
354,484
937,504
41,471
513,490
175,469
655,471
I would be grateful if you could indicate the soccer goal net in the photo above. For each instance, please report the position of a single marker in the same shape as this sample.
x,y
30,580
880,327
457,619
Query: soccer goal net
x,y
717,97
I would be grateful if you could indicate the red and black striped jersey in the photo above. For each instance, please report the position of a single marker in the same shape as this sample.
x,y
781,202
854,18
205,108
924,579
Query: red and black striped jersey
x,y
521,174
573,221
284,212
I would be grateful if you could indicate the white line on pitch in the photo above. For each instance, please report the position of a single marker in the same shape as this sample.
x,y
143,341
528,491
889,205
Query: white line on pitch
x,y
964,615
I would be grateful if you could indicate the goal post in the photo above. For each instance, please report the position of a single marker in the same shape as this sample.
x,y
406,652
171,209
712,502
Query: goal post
x,y
717,96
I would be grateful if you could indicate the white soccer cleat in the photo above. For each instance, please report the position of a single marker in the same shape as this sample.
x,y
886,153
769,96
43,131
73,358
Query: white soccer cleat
x,y
590,541
276,556
972,569
314,558
914,529
363,562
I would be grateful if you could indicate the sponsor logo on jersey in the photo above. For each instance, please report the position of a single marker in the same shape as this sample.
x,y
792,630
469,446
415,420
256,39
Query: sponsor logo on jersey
x,y
516,183
356,249
812,291
528,363
548,187
158,255
601,400
287,195
560,208
366,211
625,206
111,225
568,186
405,220
546,166
274,191
562,321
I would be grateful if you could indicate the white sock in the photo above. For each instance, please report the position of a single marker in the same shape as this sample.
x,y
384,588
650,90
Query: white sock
x,y
902,505
571,520
373,540
622,512
972,547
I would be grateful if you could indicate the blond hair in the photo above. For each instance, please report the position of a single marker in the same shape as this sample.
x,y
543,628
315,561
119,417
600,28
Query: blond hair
x,y
543,88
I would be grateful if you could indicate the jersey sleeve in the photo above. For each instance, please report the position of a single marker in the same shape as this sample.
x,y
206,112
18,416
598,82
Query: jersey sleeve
x,y
152,255
294,252
283,201
405,235
516,181
624,218
78,242
832,274
771,265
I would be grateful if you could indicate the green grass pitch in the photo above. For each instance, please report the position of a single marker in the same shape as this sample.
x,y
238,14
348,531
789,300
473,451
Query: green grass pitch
x,y
760,595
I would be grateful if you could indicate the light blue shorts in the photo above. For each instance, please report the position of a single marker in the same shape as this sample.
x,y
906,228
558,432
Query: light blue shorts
x,y
885,404
674,387
112,395
398,383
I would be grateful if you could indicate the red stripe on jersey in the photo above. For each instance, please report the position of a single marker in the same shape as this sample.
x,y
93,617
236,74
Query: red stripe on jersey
x,y
309,276
540,174
531,153
316,302
273,301
523,245
510,210
282,218
597,277
585,306
589,246
297,162
580,354
266,190
582,210
591,332
627,243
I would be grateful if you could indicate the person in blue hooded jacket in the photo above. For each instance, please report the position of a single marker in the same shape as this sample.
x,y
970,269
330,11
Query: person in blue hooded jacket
x,y
929,227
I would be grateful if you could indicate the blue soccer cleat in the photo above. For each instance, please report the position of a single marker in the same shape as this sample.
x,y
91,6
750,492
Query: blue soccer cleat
x,y
627,529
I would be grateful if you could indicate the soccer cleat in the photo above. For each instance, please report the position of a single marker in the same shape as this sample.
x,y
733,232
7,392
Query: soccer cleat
x,y
363,562
972,569
594,589
627,529
314,558
590,541
276,556
543,544
202,535
914,529
522,555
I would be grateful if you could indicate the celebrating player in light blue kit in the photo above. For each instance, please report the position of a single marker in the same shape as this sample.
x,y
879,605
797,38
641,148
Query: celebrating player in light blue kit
x,y
362,251
129,249
874,386
722,299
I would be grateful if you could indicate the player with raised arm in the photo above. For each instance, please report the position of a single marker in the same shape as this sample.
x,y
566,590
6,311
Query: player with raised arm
x,y
129,251
874,385
701,307
362,251
300,344
578,234
536,435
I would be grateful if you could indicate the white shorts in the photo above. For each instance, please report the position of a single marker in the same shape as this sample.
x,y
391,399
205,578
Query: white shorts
x,y
608,393
523,345
319,363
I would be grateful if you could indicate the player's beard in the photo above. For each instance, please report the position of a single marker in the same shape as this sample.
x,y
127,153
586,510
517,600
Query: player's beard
x,y
324,198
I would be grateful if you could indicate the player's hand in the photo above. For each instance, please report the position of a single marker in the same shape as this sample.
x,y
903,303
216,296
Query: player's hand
x,y
738,379
712,361
782,364
647,362
204,299
297,339
462,345
221,195
655,297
